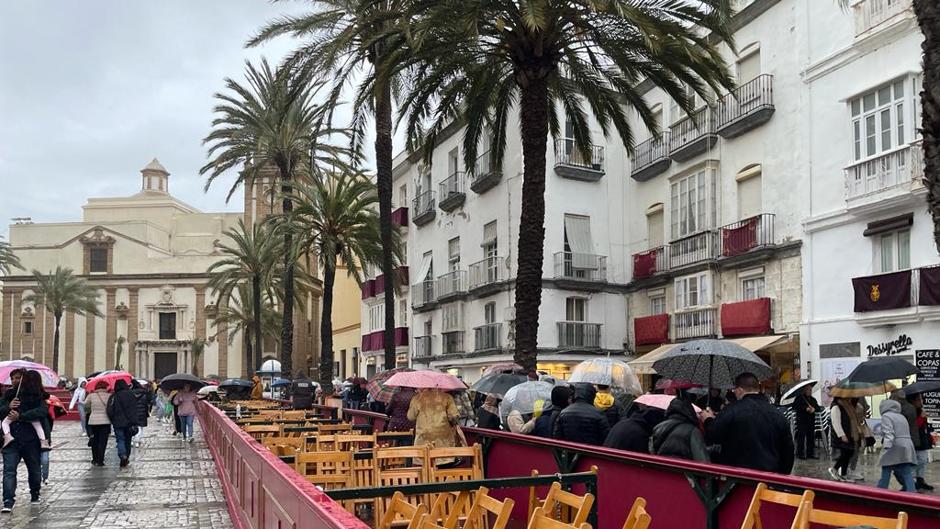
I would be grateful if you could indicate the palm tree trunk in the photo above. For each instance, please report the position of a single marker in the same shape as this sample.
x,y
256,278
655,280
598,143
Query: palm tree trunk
x,y
326,331
534,126
55,341
248,348
287,328
256,316
928,16
383,171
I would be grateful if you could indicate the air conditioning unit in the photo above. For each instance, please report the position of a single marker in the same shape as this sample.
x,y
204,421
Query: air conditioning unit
x,y
509,314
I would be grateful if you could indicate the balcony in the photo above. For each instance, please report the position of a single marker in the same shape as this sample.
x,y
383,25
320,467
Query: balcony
x,y
745,235
375,341
423,348
692,136
400,217
649,263
695,323
895,171
452,343
651,330
746,107
581,268
368,289
451,285
453,191
571,163
694,249
423,206
870,14
485,175
488,337
577,334
651,158
743,318
423,295
487,274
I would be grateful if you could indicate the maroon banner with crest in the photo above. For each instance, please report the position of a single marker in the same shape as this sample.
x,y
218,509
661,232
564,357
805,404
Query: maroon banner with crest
x,y
882,292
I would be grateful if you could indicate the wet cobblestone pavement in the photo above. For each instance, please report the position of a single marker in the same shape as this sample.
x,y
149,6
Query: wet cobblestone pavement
x,y
868,467
168,485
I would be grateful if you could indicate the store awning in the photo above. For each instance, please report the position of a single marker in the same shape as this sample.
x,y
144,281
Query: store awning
x,y
756,343
644,364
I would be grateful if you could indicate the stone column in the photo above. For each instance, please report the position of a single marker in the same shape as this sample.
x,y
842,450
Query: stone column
x,y
90,344
132,316
68,352
48,334
110,329
201,323
222,333
16,340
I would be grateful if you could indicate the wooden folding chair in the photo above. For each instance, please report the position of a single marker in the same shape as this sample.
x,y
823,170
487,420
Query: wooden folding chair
x,y
810,515
259,432
353,442
762,494
329,470
294,414
566,507
540,521
333,429
394,439
326,443
298,431
399,466
470,469
274,442
637,518
427,522
399,512
488,512
450,508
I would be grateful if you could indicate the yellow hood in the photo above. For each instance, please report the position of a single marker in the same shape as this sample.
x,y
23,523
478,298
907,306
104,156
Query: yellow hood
x,y
602,401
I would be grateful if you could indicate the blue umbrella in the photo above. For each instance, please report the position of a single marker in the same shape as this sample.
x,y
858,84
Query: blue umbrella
x,y
278,382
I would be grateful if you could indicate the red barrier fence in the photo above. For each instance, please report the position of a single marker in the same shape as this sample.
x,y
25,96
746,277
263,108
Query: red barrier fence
x,y
260,489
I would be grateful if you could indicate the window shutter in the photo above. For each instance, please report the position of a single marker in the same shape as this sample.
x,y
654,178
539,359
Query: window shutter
x,y
578,232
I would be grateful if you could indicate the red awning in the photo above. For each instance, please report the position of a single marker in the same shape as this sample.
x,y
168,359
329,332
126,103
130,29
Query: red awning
x,y
746,317
651,329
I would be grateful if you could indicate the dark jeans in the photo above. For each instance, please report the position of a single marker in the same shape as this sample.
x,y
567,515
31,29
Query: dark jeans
x,y
123,437
27,451
99,441
806,440
177,423
842,462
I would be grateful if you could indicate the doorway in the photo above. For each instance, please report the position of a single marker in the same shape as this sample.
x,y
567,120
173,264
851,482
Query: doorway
x,y
163,364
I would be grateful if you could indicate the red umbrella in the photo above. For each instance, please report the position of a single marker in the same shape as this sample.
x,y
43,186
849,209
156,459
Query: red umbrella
x,y
668,383
426,379
109,377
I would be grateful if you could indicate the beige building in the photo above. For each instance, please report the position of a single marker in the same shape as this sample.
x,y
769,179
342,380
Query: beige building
x,y
346,325
147,254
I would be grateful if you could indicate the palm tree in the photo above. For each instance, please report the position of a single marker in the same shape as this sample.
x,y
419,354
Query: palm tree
x,y
474,61
343,38
928,16
271,121
250,257
8,259
61,291
237,316
335,219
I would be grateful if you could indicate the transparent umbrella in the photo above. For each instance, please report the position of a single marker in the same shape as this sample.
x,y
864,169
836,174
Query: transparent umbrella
x,y
523,398
607,372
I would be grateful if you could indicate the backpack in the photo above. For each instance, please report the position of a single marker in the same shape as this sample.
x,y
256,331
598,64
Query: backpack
x,y
110,408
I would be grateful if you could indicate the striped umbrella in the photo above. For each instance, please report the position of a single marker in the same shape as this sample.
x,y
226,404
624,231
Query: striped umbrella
x,y
850,389
377,388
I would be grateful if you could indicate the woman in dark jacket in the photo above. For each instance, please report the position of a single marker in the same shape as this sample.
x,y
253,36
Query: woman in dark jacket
x,y
633,433
581,422
488,414
679,435
397,411
142,396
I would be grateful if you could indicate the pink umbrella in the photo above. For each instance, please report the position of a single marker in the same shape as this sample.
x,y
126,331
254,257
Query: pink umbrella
x,y
659,401
426,379
109,377
668,383
49,377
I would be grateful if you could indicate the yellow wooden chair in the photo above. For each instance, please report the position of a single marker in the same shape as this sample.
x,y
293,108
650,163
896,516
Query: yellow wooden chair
x,y
275,443
395,467
401,514
540,520
564,506
328,470
354,442
812,516
637,518
470,469
762,494
259,432
488,512
451,508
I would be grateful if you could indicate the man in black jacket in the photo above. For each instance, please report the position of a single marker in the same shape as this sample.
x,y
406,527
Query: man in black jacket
x,y
633,433
581,422
122,410
751,432
805,406
679,435
142,398
301,392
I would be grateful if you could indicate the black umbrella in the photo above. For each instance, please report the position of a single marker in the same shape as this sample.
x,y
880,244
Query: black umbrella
x,y
178,380
497,384
714,363
921,386
882,368
236,383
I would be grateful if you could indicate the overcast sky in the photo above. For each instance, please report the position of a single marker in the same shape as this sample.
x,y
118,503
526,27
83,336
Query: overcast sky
x,y
92,90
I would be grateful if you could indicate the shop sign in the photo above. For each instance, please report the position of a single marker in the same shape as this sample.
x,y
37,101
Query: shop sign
x,y
928,362
902,344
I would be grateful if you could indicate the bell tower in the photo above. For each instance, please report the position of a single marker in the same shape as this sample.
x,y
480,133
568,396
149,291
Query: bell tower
x,y
155,177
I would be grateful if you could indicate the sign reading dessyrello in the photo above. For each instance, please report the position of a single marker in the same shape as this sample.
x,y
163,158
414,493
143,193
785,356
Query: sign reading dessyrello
x,y
928,361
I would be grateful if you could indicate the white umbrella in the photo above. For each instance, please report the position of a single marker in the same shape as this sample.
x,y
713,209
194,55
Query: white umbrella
x,y
523,397
270,367
607,372
208,389
791,393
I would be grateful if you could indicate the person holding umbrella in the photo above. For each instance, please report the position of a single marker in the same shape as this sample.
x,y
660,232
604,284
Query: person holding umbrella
x,y
488,413
78,397
99,425
581,422
122,411
897,448
805,407
435,416
185,402
847,434
397,411
679,435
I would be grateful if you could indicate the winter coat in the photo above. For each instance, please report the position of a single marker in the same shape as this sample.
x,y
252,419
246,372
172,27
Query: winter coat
x,y
606,403
185,402
633,433
257,391
487,419
433,412
897,447
78,396
805,418
581,422
32,408
397,411
679,435
124,407
544,424
910,413
519,423
752,434
97,402
142,396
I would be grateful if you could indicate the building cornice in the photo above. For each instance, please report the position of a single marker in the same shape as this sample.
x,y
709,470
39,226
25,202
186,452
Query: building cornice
x,y
859,48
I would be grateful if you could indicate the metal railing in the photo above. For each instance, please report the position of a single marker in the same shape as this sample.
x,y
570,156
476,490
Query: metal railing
x,y
423,293
483,166
887,170
695,323
699,124
580,266
452,185
423,203
692,249
745,235
423,347
871,13
650,151
452,343
487,337
452,283
567,154
579,334
745,99
487,271
660,257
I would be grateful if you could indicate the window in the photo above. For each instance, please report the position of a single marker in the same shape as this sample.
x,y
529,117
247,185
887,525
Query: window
x,y
657,118
575,309
749,192
693,203
336,368
655,228
423,184
749,67
27,327
657,305
377,317
489,313
452,342
453,317
675,111
752,288
426,272
878,120
403,313
893,250
98,260
452,161
427,327
693,291
489,240
403,196
453,254
167,325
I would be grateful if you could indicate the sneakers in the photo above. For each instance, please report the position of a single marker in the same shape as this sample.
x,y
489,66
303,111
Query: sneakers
x,y
7,439
190,439
35,500
7,509
920,484
124,462
835,475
